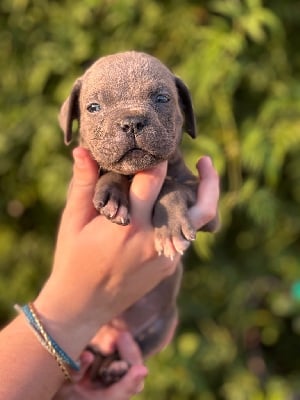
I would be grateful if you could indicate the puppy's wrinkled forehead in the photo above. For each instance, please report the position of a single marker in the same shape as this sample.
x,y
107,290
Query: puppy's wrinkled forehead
x,y
128,75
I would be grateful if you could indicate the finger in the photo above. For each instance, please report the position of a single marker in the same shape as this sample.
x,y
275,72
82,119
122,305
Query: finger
x,y
105,339
134,380
80,197
205,209
131,384
144,190
129,349
86,360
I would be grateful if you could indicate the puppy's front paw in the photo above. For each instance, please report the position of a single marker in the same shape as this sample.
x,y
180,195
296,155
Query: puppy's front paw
x,y
175,237
107,369
112,202
113,372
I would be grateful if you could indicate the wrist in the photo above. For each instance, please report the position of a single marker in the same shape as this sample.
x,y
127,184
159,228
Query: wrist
x,y
71,327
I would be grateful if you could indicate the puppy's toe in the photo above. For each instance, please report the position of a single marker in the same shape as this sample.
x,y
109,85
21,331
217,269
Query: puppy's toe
x,y
183,239
114,372
169,249
115,211
158,245
175,238
110,209
112,202
180,244
122,217
99,201
160,236
164,244
187,230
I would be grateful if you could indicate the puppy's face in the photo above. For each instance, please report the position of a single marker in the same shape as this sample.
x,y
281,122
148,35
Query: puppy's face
x,y
129,112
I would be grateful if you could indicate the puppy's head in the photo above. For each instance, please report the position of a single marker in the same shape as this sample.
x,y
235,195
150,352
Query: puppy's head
x,y
130,110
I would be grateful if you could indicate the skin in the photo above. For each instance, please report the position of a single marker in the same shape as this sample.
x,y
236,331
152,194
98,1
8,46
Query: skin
x,y
107,340
86,255
133,382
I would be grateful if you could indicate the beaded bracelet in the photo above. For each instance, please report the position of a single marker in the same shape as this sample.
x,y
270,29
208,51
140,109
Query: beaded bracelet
x,y
47,341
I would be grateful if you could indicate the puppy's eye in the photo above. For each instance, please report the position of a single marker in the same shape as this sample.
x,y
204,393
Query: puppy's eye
x,y
93,107
162,98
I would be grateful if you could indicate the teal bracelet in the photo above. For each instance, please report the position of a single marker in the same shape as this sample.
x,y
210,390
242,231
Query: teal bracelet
x,y
46,339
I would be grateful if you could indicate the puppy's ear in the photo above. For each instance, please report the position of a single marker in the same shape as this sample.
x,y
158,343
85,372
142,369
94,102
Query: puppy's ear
x,y
187,107
70,111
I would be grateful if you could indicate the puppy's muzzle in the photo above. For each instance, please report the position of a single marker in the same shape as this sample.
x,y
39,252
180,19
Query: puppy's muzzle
x,y
133,124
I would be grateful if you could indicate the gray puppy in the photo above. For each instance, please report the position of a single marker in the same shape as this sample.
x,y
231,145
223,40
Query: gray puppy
x,y
131,112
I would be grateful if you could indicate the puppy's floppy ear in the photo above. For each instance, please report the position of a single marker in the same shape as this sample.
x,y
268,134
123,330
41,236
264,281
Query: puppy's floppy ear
x,y
70,111
187,107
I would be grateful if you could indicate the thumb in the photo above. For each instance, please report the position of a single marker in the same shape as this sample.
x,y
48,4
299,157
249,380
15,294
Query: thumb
x,y
79,209
144,190
129,349
86,360
131,384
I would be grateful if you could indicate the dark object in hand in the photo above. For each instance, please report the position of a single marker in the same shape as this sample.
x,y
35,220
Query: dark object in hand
x,y
107,369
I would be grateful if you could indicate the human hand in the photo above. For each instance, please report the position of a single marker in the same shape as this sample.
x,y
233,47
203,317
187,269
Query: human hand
x,y
83,388
101,268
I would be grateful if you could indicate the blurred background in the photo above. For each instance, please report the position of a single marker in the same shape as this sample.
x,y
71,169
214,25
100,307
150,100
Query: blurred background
x,y
239,335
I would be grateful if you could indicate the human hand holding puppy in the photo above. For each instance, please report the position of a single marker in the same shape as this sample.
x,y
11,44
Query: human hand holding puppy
x,y
99,269
114,265
203,211
83,388
102,267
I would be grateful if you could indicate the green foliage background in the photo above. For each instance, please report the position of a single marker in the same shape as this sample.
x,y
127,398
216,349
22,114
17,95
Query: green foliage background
x,y
239,336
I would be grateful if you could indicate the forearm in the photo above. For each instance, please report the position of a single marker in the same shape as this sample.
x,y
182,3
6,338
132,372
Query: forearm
x,y
27,370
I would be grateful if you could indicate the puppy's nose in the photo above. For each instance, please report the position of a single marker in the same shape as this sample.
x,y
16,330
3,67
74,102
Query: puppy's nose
x,y
133,125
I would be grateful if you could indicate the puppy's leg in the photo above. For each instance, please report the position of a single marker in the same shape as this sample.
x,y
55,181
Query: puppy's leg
x,y
173,228
111,197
